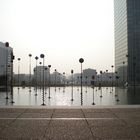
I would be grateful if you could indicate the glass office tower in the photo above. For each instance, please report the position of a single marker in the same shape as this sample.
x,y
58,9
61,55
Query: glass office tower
x,y
127,40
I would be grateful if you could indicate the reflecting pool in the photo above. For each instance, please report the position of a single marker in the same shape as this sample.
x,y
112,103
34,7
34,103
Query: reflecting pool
x,y
62,96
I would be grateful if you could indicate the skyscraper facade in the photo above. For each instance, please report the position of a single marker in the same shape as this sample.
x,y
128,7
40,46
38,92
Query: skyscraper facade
x,y
127,40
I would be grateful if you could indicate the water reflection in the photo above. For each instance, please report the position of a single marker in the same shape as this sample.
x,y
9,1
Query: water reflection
x,y
61,96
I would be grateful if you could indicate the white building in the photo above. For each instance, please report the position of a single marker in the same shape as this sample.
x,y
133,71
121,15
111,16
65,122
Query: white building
x,y
6,64
88,75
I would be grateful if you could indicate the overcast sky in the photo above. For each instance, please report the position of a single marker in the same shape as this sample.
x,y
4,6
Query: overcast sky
x,y
64,30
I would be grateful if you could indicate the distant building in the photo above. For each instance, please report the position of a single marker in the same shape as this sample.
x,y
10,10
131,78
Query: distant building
x,y
57,78
89,75
6,64
38,74
23,79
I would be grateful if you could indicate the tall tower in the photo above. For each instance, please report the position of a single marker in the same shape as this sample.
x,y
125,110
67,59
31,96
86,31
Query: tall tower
x,y
127,40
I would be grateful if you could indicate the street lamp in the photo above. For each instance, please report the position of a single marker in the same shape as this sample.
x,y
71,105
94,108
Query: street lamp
x,y
6,75
49,66
81,60
18,70
43,98
12,58
36,58
30,55
40,74
72,86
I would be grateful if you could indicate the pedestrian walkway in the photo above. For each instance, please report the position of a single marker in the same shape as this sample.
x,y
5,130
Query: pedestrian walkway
x,y
42,123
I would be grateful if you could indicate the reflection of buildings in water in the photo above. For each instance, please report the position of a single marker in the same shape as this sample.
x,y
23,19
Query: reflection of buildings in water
x,y
133,97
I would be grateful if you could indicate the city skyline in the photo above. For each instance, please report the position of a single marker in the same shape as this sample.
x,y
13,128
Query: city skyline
x,y
63,30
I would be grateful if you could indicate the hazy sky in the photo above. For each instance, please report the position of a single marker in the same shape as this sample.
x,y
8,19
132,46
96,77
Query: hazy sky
x,y
64,30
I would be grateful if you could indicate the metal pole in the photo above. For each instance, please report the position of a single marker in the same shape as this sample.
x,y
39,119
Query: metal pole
x,y
49,81
7,73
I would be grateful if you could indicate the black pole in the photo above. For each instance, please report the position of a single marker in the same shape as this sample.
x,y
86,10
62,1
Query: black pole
x,y
43,95
81,60
6,80
12,58
49,81
72,87
36,75
30,55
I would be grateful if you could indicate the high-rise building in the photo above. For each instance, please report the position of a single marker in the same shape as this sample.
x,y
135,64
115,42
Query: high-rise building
x,y
6,65
127,40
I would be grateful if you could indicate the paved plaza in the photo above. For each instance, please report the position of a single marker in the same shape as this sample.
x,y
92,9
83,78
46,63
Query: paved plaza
x,y
92,123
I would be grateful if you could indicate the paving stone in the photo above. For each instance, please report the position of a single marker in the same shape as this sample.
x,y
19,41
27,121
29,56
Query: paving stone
x,y
99,115
125,114
106,122
117,132
12,110
67,123
95,110
127,110
23,132
68,110
68,115
137,130
9,115
30,123
69,133
131,122
36,115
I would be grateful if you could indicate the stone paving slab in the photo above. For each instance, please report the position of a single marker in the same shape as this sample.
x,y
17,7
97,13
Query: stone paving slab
x,y
70,123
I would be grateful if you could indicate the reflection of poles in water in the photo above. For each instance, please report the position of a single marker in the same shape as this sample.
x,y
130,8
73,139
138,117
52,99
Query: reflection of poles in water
x,y
92,83
72,86
49,66
63,89
93,96
100,86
